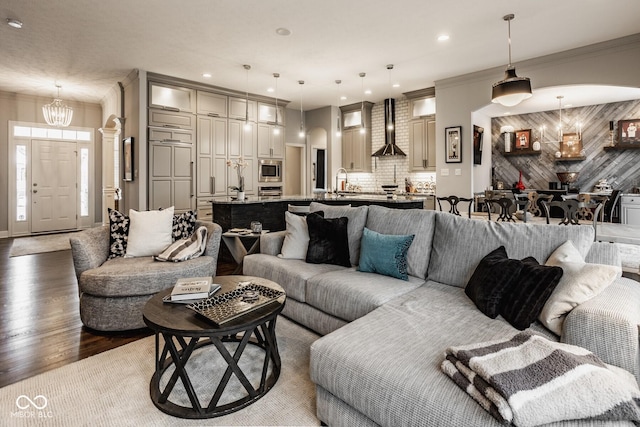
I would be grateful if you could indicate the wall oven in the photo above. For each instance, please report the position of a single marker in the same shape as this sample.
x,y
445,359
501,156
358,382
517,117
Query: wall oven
x,y
270,171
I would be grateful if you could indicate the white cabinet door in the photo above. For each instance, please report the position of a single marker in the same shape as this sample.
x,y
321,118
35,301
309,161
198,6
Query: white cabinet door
x,y
264,140
238,109
172,98
171,176
212,104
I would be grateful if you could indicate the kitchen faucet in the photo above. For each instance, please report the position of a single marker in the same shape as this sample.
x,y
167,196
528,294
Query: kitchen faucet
x,y
346,178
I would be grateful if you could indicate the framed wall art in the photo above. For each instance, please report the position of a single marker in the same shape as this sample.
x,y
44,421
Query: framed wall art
x,y
477,144
453,144
570,146
523,140
629,132
127,159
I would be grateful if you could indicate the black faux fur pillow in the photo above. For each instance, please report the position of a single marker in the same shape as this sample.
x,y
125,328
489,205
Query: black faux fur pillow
x,y
328,241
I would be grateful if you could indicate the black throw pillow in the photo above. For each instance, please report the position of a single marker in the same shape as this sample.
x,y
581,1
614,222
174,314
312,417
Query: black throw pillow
x,y
492,278
328,241
525,299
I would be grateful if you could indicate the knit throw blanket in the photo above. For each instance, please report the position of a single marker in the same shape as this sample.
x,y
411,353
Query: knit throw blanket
x,y
529,380
185,249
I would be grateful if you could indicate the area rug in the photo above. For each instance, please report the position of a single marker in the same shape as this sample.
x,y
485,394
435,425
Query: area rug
x,y
39,244
112,389
630,256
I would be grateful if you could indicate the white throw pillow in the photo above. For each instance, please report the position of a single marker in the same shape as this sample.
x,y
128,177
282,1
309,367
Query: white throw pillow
x,y
296,239
580,282
149,232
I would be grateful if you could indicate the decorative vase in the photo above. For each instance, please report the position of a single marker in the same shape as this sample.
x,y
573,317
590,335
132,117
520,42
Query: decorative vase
x,y
520,184
240,196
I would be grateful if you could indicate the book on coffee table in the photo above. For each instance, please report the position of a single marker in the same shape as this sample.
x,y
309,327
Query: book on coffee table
x,y
192,288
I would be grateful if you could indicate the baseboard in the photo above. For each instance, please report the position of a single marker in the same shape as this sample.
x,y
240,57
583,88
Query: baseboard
x,y
4,234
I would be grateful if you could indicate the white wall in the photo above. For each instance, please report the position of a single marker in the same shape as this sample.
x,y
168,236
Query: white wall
x,y
614,62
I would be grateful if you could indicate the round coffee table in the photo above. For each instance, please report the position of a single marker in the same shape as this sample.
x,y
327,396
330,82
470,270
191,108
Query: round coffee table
x,y
184,331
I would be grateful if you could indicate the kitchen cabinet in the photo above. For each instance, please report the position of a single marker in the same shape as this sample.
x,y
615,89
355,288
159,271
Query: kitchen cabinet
x,y
422,144
171,98
243,139
356,150
171,173
356,145
171,119
171,135
270,144
238,109
267,114
212,155
630,209
212,104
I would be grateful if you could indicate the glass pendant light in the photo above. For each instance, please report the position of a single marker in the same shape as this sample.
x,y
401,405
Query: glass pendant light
x,y
247,125
57,114
512,90
362,126
302,133
338,128
276,128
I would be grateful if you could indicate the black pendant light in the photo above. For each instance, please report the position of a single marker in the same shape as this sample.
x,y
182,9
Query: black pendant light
x,y
512,89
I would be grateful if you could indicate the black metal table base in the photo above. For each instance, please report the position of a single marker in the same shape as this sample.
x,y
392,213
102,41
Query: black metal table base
x,y
177,350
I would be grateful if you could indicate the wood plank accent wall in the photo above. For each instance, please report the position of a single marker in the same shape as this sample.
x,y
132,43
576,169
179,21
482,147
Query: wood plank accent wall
x,y
620,168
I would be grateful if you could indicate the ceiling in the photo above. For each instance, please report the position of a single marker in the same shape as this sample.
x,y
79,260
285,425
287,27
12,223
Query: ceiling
x,y
87,46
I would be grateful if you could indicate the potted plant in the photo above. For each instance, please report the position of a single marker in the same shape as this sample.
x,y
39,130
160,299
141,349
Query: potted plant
x,y
239,166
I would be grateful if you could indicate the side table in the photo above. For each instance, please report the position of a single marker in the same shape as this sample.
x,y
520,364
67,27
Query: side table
x,y
183,332
233,241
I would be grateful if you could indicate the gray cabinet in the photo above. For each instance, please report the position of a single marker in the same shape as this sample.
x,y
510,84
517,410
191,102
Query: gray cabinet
x,y
270,143
356,143
630,209
422,144
171,119
238,109
212,104
267,114
171,169
212,154
171,98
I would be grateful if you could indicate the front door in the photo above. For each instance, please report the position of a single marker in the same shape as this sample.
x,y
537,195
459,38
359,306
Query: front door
x,y
54,189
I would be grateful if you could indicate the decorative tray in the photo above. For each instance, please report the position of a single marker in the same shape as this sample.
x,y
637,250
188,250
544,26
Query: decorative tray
x,y
228,306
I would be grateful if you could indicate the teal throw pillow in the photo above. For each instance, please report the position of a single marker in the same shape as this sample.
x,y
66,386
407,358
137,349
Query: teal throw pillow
x,y
384,253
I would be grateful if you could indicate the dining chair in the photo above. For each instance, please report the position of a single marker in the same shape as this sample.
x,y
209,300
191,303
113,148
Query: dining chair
x,y
453,204
569,208
505,206
610,205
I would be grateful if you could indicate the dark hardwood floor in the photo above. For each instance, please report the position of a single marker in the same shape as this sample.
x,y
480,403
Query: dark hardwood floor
x,y
40,326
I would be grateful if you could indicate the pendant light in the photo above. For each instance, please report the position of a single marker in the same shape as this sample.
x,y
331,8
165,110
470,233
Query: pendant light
x,y
338,128
512,89
57,114
362,127
247,125
276,129
302,133
390,124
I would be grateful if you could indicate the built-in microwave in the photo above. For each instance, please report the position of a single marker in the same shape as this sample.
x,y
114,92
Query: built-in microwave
x,y
270,171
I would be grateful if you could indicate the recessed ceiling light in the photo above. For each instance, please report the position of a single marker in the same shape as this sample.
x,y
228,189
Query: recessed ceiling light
x,y
283,31
507,113
206,75
343,98
367,92
14,23
443,37
396,85
270,90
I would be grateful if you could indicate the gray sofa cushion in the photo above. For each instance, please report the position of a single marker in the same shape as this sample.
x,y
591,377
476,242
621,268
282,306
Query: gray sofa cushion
x,y
387,364
119,277
351,294
355,226
291,274
460,243
407,221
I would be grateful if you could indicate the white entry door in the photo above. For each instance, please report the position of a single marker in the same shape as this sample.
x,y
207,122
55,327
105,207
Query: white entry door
x,y
54,189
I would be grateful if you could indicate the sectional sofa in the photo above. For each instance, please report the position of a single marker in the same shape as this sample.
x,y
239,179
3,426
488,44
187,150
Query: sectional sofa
x,y
378,362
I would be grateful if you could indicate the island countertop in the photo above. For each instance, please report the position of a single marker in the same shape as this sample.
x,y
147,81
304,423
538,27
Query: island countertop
x,y
230,213
360,199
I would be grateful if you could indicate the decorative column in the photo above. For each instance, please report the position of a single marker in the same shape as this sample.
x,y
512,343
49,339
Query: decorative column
x,y
110,137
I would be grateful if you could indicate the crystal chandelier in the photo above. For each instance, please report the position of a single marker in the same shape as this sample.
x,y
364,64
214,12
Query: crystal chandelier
x,y
57,114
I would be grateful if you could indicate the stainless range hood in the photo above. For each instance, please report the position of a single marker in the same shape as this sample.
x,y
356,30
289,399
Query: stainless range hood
x,y
390,148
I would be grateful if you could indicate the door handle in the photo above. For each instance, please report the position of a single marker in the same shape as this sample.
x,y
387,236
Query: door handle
x,y
35,191
192,180
314,171
213,185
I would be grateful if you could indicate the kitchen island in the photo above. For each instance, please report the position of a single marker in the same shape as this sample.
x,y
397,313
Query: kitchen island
x,y
231,213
